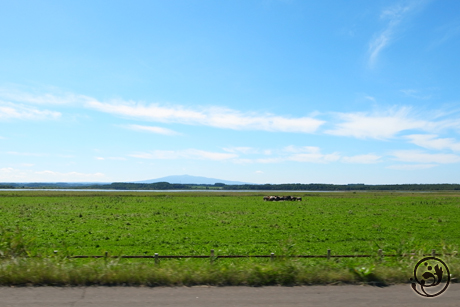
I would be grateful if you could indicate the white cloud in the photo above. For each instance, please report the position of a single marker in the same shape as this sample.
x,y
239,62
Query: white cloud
x,y
212,116
377,45
17,111
243,150
70,176
417,156
26,154
258,160
268,160
290,153
157,130
314,157
9,174
117,158
302,149
309,154
379,125
367,97
6,169
65,156
431,141
185,154
362,159
267,152
415,94
301,154
15,93
259,172
243,161
411,167
446,33
393,16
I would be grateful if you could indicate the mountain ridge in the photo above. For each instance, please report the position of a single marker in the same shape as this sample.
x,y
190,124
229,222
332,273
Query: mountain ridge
x,y
188,179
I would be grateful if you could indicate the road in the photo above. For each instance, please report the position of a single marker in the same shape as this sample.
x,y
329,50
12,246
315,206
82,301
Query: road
x,y
204,296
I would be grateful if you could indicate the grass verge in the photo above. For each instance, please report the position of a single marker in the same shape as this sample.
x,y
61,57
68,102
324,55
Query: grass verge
x,y
55,271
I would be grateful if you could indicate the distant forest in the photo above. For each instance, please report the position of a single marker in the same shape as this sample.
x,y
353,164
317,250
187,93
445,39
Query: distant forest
x,y
222,186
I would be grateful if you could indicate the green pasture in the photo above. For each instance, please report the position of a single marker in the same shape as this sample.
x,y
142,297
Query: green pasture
x,y
193,223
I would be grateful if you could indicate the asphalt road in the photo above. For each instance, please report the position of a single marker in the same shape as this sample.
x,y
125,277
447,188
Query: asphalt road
x,y
318,296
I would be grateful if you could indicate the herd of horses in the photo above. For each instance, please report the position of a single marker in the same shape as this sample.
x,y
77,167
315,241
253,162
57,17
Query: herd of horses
x,y
278,198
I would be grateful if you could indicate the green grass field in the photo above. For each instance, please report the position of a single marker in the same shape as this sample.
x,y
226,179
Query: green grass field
x,y
232,223
193,223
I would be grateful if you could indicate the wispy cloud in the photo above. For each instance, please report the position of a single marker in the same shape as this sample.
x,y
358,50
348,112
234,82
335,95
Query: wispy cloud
x,y
5,170
446,32
243,150
301,154
417,156
377,45
379,125
301,149
211,116
36,154
415,94
26,154
259,160
111,158
10,111
314,157
22,95
362,159
238,155
184,154
310,154
370,98
393,16
267,160
9,174
151,129
248,155
431,141
71,176
306,154
411,167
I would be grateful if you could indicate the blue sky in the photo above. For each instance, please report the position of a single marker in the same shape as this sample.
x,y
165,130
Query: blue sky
x,y
260,91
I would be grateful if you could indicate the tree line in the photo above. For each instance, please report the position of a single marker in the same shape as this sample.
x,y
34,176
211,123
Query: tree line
x,y
222,186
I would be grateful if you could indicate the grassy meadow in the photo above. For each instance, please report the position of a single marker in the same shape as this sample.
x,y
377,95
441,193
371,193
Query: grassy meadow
x,y
35,223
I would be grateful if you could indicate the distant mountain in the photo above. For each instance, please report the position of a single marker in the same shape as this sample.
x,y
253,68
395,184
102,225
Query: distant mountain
x,y
187,179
